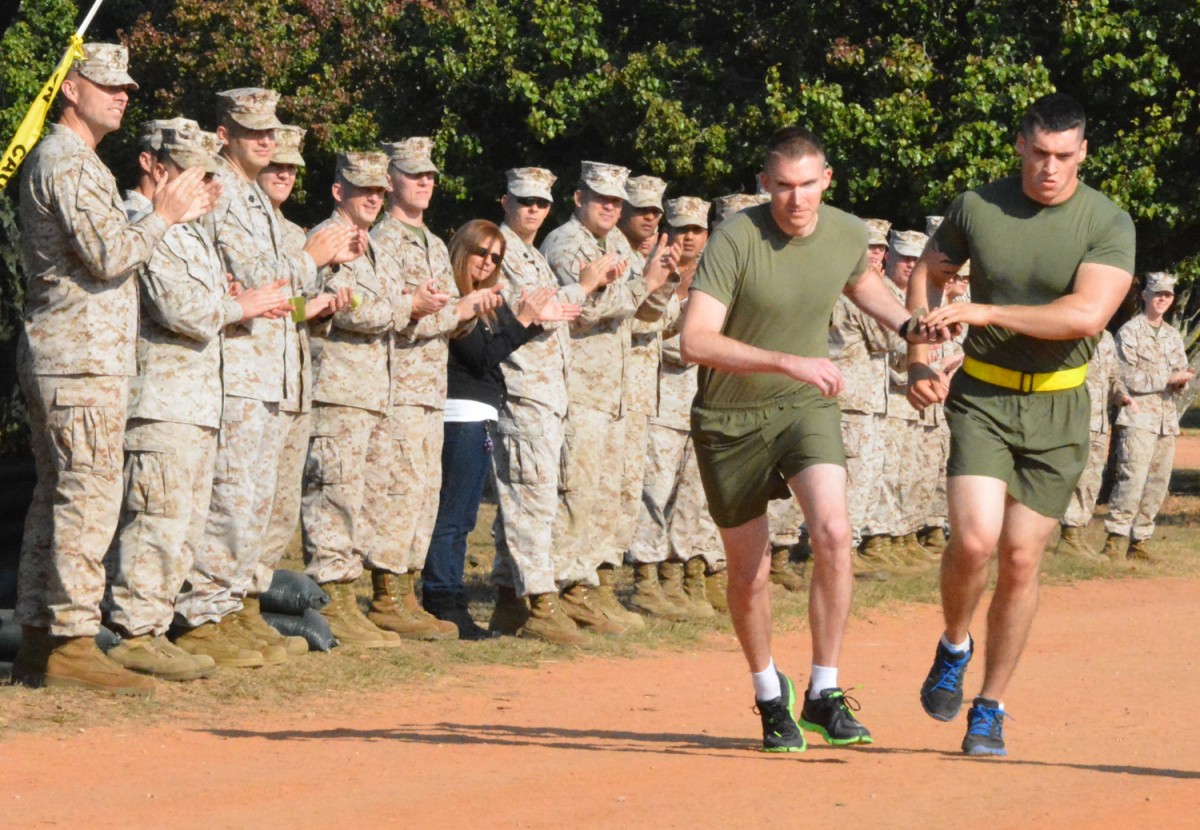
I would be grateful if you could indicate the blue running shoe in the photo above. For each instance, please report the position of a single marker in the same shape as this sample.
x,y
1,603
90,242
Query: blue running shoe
x,y
942,691
781,733
985,728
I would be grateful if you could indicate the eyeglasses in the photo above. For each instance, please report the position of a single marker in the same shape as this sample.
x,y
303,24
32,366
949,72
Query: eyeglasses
x,y
486,254
533,201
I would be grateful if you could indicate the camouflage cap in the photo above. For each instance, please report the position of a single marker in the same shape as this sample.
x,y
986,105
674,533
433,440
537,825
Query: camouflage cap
x,y
187,146
106,64
931,224
736,203
1160,281
530,182
907,243
877,231
367,169
250,107
150,132
645,191
687,211
289,143
605,179
411,155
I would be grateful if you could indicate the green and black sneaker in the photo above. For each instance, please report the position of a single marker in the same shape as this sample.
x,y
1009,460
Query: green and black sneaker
x,y
781,733
832,717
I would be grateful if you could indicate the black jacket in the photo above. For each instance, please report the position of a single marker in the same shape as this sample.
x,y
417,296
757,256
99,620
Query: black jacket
x,y
473,369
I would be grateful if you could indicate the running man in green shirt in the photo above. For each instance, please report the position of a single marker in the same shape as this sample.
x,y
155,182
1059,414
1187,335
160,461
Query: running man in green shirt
x,y
766,420
1051,260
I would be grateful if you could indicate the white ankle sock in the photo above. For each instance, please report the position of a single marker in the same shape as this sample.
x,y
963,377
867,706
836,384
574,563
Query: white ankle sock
x,y
957,648
823,677
766,683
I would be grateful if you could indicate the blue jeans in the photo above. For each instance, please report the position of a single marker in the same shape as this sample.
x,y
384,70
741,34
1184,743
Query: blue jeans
x,y
466,459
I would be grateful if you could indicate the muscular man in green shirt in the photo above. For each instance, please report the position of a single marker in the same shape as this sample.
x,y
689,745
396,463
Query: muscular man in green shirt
x,y
1051,259
766,420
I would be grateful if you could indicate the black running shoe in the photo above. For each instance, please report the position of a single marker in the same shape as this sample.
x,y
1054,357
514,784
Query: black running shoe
x,y
832,717
780,732
985,728
942,691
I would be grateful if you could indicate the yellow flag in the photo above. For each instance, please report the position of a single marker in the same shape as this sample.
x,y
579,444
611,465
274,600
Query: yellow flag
x,y
31,125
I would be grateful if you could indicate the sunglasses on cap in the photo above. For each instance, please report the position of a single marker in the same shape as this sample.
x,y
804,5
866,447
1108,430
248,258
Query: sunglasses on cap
x,y
486,254
532,201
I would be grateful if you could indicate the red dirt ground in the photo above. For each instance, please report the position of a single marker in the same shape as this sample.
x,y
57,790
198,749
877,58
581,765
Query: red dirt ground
x,y
1187,452
1103,735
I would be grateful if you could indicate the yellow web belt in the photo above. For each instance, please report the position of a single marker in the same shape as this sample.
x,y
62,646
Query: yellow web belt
x,y
1025,381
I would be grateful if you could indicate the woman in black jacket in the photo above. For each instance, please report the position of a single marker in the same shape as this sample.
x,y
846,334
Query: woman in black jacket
x,y
474,395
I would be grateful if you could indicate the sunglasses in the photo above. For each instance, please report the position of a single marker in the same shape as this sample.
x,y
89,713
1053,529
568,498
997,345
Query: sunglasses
x,y
486,254
532,201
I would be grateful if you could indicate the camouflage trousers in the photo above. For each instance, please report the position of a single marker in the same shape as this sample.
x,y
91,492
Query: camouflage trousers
x,y
673,520
786,521
168,484
862,436
76,425
526,462
896,511
418,433
242,494
1144,462
930,497
1087,491
285,509
349,502
633,474
589,506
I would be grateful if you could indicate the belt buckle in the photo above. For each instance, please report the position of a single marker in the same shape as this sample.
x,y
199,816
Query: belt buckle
x,y
1026,386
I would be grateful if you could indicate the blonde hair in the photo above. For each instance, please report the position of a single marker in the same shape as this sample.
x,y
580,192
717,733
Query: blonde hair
x,y
476,234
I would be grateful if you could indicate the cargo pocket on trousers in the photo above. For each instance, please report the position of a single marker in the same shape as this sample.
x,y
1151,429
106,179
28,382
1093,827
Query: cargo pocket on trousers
x,y
324,464
852,433
517,461
150,483
86,426
566,481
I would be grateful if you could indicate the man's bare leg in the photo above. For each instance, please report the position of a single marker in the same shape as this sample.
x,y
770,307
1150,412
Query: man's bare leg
x,y
748,552
1010,616
821,491
976,514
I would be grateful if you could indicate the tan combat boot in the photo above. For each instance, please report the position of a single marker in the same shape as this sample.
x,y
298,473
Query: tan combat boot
x,y
781,570
407,584
73,663
934,540
548,621
649,597
579,604
910,550
605,598
155,656
390,612
696,588
510,612
251,618
347,623
273,653
670,575
873,562
210,639
1071,543
1114,548
716,587
1138,551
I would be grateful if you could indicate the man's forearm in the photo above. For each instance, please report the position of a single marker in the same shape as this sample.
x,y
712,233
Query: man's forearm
x,y
718,351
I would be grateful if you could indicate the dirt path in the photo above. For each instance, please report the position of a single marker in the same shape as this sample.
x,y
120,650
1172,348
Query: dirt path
x,y
1187,452
1105,735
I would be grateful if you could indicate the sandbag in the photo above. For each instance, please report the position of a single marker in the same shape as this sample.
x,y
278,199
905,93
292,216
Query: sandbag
x,y
8,587
310,625
10,636
291,593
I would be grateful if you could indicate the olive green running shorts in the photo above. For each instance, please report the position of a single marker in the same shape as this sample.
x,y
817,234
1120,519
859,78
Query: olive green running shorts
x,y
1037,442
747,454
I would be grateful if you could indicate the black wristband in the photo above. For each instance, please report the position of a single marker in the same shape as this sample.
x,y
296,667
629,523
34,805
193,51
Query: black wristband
x,y
904,327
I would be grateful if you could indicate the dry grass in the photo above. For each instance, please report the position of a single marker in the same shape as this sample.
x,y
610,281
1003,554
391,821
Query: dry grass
x,y
321,681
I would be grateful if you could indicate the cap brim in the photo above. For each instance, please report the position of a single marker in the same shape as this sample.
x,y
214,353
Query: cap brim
x,y
606,190
908,250
255,121
111,78
368,181
288,158
187,161
414,168
527,191
645,203
688,221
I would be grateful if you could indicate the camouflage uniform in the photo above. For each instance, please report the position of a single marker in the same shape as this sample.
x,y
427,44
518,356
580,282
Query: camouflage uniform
x,y
1104,388
1146,438
171,435
898,511
589,518
530,431
75,357
349,509
258,371
418,394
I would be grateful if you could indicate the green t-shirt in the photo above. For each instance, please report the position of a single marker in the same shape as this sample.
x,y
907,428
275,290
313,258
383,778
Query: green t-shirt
x,y
1025,253
779,291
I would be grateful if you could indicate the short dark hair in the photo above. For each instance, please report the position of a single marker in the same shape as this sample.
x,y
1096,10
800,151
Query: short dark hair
x,y
1054,113
792,143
